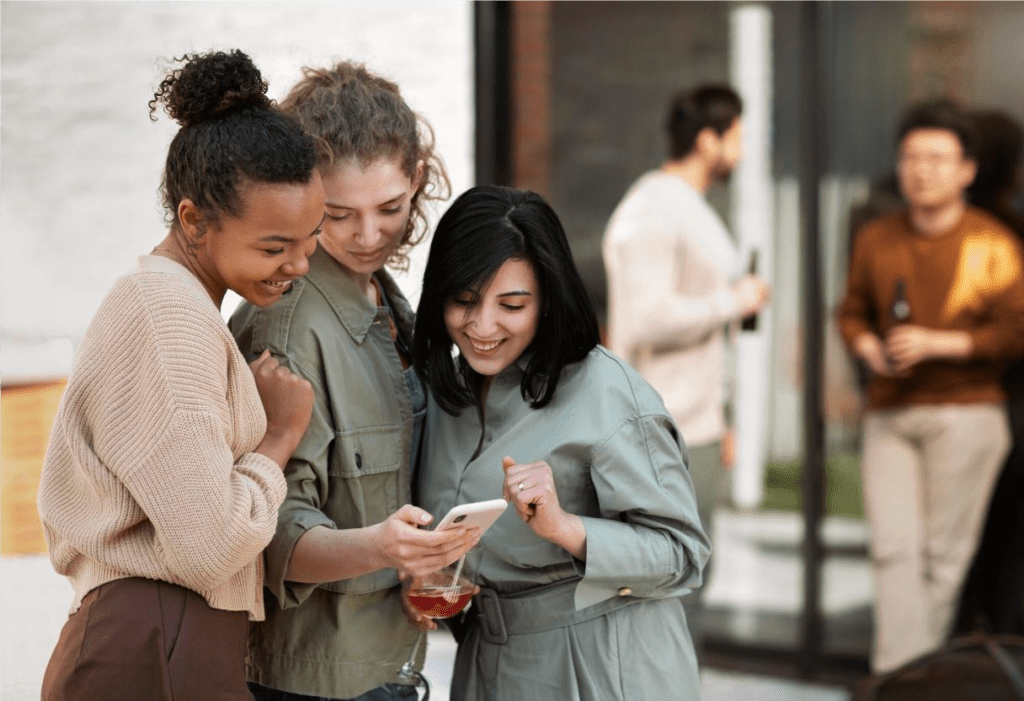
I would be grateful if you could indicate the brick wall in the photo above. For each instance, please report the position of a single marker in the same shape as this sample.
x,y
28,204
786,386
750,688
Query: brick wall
x,y
531,95
80,162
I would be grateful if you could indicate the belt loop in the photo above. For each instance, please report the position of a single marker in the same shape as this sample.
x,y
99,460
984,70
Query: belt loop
x,y
492,624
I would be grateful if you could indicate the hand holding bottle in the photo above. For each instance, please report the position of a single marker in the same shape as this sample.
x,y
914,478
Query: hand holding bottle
x,y
752,293
871,350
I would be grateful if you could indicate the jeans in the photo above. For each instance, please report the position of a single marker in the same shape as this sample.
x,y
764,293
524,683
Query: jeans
x,y
386,692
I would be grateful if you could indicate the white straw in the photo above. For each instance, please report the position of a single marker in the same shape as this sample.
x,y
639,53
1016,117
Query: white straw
x,y
452,592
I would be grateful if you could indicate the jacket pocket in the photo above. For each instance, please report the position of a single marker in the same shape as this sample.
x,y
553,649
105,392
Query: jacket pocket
x,y
368,474
366,451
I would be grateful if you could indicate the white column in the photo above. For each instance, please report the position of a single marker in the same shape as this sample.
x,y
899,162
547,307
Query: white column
x,y
753,220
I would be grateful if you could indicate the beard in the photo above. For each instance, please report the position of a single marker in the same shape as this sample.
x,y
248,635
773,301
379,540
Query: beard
x,y
721,172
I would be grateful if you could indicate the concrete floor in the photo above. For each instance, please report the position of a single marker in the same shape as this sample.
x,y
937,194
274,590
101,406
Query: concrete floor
x,y
757,572
716,685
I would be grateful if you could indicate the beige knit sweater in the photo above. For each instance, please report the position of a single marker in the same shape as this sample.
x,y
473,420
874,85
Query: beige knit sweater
x,y
670,262
150,470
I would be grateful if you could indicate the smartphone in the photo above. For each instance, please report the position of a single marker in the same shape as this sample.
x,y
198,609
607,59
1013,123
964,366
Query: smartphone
x,y
479,514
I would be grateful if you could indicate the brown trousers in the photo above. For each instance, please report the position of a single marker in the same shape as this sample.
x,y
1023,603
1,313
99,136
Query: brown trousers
x,y
140,640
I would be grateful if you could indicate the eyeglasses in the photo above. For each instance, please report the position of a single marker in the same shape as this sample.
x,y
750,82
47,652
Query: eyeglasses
x,y
931,160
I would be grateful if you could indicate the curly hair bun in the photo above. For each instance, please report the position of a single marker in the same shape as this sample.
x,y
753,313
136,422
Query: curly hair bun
x,y
210,85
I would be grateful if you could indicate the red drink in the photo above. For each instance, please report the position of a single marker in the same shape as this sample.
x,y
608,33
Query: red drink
x,y
431,601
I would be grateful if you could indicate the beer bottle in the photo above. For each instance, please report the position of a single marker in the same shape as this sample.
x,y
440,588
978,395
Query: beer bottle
x,y
900,310
749,323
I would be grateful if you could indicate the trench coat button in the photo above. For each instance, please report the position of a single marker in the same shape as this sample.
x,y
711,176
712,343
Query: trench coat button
x,y
359,461
625,591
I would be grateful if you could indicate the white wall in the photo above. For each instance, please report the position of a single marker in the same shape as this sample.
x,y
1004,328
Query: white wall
x,y
80,161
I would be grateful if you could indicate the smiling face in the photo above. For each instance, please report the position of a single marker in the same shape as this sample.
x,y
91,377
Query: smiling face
x,y
367,213
934,171
492,328
258,254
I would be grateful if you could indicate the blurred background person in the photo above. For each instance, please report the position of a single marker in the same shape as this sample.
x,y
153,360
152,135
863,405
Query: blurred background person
x,y
335,627
997,185
163,475
934,307
675,285
994,593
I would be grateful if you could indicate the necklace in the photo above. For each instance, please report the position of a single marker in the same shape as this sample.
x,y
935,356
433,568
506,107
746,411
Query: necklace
x,y
172,254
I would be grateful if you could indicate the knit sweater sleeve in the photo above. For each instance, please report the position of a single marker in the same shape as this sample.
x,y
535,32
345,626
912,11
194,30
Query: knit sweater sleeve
x,y
211,514
180,417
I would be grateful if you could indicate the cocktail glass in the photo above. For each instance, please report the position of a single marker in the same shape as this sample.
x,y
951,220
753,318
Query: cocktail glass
x,y
440,594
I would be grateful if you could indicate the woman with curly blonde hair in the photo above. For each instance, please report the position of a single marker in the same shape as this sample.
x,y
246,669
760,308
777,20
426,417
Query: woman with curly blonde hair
x,y
335,627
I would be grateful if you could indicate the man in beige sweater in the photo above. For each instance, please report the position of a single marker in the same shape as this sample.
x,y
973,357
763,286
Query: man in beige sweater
x,y
674,285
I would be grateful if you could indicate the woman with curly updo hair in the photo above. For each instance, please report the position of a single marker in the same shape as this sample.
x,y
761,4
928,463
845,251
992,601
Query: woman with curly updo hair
x,y
163,476
335,626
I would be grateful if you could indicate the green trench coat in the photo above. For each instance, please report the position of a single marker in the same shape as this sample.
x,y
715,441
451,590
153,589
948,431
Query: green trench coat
x,y
548,626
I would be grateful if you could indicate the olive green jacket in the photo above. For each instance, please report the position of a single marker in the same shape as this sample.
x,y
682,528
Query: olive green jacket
x,y
351,470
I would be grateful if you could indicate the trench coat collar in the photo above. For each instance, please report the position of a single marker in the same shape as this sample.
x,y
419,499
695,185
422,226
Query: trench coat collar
x,y
513,374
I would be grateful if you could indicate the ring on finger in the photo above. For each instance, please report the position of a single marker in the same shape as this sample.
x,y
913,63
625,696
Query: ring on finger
x,y
520,487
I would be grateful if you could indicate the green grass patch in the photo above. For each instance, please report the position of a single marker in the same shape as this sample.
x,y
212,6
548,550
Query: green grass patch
x,y
843,496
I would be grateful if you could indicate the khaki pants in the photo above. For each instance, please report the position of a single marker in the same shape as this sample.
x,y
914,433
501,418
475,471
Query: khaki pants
x,y
709,482
928,473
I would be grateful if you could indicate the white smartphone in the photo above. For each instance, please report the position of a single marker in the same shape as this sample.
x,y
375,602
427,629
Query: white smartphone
x,y
479,514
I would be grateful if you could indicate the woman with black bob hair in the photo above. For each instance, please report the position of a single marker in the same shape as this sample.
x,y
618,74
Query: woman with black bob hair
x,y
163,476
603,538
516,225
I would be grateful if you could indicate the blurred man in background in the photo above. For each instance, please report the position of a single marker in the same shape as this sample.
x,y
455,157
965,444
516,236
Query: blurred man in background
x,y
935,308
674,286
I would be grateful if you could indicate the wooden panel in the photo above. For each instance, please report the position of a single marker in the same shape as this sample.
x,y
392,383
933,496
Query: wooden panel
x,y
26,417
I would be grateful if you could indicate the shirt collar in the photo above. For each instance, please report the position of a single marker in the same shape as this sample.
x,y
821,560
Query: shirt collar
x,y
512,376
352,307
